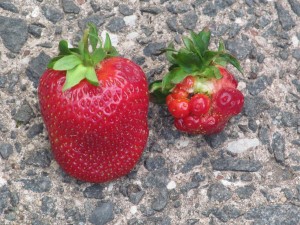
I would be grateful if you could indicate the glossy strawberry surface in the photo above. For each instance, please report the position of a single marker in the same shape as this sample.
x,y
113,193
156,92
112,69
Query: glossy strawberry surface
x,y
97,133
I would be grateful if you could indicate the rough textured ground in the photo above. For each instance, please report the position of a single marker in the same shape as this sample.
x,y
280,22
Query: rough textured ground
x,y
248,174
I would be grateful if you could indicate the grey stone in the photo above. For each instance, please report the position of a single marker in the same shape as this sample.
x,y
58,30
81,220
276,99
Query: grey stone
x,y
192,221
245,192
35,130
189,21
18,147
95,19
37,184
278,147
74,214
234,29
4,198
220,214
147,211
284,54
267,195
140,60
154,163
296,142
289,119
284,17
189,186
239,48
41,158
198,177
253,106
94,191
70,7
35,30
296,82
136,198
259,85
6,150
125,10
160,201
218,192
151,9
288,193
178,8
157,178
13,33
274,214
210,9
263,22
193,161
232,212
295,5
216,140
102,214
252,125
234,164
95,5
263,135
154,48
116,24
173,25
296,54
36,67
9,6
48,206
52,13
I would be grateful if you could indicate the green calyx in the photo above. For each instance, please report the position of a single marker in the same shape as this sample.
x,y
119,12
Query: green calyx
x,y
193,59
80,63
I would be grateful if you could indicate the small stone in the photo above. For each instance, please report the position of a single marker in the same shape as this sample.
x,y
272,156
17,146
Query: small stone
x,y
246,177
13,33
140,60
245,192
154,163
296,54
102,214
255,105
94,191
41,158
296,82
161,201
6,150
146,211
171,185
95,19
189,186
125,10
52,13
151,9
252,125
157,178
35,30
178,8
259,85
38,184
195,160
288,193
289,119
284,17
189,21
36,67
70,7
116,24
233,164
48,206
35,130
210,9
239,48
9,6
74,214
295,5
218,192
232,212
284,54
154,48
278,147
220,214
242,145
216,140
173,25
198,177
192,221
24,113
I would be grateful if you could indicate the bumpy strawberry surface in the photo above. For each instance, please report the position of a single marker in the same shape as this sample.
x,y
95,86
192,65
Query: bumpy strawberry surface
x,y
97,132
200,93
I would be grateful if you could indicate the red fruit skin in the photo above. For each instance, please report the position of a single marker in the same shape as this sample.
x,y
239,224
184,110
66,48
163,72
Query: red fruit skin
x,y
199,104
97,133
179,108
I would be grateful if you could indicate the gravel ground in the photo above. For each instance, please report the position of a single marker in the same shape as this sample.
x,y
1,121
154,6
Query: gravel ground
x,y
248,174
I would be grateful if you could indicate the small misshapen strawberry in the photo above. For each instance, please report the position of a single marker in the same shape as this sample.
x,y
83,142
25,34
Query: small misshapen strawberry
x,y
94,105
201,94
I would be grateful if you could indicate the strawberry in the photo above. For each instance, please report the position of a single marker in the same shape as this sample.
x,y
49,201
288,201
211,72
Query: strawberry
x,y
201,94
94,105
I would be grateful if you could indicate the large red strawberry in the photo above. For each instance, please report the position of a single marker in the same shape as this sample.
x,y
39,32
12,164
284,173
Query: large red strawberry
x,y
201,94
94,105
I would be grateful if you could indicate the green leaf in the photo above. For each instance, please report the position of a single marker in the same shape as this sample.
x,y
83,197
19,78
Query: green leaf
x,y
187,60
112,52
74,76
169,53
107,43
205,38
93,35
91,76
63,48
67,62
53,61
156,93
173,77
201,41
232,60
98,55
221,47
211,72
75,50
209,56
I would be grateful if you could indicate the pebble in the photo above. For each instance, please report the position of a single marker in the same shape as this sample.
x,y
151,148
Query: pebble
x,y
216,140
125,10
151,10
173,25
48,206
245,192
116,24
70,7
278,147
189,21
38,184
235,164
160,201
239,48
35,30
94,191
95,19
296,54
102,214
5,198
6,149
154,163
171,185
36,67
210,9
259,85
40,158
74,214
195,160
157,178
178,8
253,106
284,17
131,21
242,145
218,192
295,5
9,6
35,130
13,32
154,48
52,13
